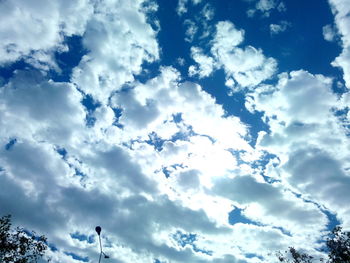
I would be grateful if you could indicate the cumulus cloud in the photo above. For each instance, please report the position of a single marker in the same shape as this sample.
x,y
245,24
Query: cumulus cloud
x,y
33,29
341,11
289,98
164,96
119,26
307,137
317,172
245,66
33,107
271,204
248,66
205,64
109,171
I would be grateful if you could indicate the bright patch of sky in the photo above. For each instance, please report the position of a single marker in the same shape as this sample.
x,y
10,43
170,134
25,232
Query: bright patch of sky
x,y
189,130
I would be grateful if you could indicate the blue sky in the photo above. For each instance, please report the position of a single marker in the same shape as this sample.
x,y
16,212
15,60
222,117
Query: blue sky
x,y
189,130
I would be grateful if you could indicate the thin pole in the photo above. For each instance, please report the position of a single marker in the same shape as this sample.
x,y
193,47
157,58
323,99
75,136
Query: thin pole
x,y
99,238
98,231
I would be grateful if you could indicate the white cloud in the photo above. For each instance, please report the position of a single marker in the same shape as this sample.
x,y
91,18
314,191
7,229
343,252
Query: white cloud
x,y
148,106
246,66
307,137
33,107
182,6
271,204
281,7
299,97
198,160
208,12
198,26
266,6
205,63
227,36
278,28
329,33
115,26
341,11
21,163
230,83
112,173
319,174
191,30
342,61
188,179
30,28
181,61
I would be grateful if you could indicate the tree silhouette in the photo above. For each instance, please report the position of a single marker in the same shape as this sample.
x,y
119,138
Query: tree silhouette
x,y
294,256
18,245
337,247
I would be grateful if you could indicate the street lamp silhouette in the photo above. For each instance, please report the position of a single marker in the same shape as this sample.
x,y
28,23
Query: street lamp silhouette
x,y
98,231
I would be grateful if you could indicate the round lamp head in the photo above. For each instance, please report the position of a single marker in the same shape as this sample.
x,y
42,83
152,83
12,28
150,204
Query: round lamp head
x,y
98,230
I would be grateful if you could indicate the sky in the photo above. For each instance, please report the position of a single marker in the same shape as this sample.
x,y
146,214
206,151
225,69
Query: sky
x,y
189,130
